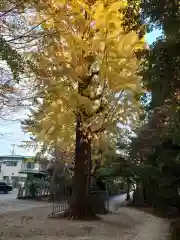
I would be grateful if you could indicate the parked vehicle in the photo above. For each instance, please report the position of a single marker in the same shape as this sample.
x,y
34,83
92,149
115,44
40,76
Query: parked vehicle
x,y
4,187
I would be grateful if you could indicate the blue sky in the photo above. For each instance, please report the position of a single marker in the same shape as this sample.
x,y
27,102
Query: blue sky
x,y
153,35
11,133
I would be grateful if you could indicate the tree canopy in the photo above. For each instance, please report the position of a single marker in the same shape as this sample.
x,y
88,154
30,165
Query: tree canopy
x,y
88,47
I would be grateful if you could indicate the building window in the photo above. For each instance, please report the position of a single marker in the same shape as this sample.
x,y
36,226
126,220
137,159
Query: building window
x,y
11,163
15,178
30,165
5,178
22,179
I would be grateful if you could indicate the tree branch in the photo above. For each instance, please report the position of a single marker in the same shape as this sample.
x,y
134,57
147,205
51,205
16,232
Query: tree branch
x,y
86,81
98,96
99,130
112,109
10,10
107,115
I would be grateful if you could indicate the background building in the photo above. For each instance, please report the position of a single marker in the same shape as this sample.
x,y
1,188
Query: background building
x,y
11,165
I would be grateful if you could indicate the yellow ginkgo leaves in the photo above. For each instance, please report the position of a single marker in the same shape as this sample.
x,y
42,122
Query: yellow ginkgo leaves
x,y
84,43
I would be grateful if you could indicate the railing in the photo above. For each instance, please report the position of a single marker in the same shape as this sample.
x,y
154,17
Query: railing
x,y
59,206
24,192
62,204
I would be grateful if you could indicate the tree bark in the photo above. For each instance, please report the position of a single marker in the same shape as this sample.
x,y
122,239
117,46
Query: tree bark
x,y
138,195
80,206
128,191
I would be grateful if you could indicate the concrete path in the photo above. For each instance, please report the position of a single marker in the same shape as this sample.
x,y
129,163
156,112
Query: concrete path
x,y
148,227
118,201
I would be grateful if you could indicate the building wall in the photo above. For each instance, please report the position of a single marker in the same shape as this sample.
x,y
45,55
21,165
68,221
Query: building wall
x,y
10,167
29,165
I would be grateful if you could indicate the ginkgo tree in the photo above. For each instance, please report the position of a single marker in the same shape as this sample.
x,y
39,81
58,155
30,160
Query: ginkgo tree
x,y
86,77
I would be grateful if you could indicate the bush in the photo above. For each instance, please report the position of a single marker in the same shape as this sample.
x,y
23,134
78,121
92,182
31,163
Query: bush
x,y
33,188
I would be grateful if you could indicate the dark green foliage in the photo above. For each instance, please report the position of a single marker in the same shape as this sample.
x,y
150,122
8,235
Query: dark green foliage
x,y
175,230
164,14
159,174
161,13
157,171
112,180
161,70
33,189
174,131
12,58
132,19
161,73
105,172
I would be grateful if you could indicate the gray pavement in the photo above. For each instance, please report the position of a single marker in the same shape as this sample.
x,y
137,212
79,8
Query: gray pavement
x,y
118,201
121,197
9,203
8,197
20,205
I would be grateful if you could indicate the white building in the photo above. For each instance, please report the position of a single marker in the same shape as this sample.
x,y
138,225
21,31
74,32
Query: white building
x,y
11,165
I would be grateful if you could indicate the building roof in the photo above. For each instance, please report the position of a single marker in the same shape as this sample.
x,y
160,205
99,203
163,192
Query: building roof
x,y
16,157
33,171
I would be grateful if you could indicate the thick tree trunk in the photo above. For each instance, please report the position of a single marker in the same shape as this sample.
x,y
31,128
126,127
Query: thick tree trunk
x,y
80,206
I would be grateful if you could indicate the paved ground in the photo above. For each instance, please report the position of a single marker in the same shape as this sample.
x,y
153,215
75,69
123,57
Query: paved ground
x,y
123,224
121,198
8,202
20,205
117,201
20,219
10,196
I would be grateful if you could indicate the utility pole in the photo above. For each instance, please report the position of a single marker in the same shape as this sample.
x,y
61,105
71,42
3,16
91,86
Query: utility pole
x,y
13,149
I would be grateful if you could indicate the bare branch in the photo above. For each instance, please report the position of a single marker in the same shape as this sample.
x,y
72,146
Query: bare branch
x,y
10,10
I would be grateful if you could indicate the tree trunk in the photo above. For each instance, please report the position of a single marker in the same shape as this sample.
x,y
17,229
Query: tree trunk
x,y
138,195
80,206
128,191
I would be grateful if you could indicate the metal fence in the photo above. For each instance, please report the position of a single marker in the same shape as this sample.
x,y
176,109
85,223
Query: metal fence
x,y
61,205
24,192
